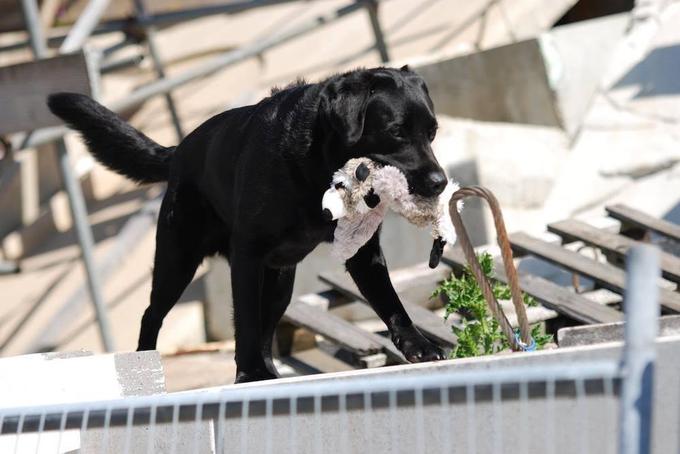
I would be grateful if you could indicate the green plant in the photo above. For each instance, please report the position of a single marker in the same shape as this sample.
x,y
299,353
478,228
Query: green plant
x,y
480,333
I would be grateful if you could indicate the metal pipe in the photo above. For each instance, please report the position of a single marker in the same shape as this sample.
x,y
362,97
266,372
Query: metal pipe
x,y
167,84
150,32
641,305
86,240
115,65
72,185
84,26
162,19
380,44
36,37
233,7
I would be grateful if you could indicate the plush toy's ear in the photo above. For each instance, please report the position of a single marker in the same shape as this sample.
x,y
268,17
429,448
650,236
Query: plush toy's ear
x,y
332,205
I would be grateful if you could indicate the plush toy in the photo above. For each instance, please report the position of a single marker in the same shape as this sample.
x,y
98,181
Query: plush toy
x,y
359,196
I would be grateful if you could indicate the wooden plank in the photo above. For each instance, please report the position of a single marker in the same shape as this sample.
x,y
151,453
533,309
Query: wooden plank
x,y
332,328
430,324
617,245
309,320
631,216
24,89
547,293
332,298
606,275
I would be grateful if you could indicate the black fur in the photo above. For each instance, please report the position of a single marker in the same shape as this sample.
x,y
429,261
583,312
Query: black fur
x,y
114,143
247,184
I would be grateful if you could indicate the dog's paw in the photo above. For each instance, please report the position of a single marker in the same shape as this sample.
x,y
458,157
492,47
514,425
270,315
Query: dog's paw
x,y
415,347
254,375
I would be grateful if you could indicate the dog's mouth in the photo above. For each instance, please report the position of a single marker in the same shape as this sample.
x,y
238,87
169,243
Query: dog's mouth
x,y
382,162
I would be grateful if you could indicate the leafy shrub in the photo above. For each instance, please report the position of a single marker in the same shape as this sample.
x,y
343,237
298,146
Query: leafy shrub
x,y
480,334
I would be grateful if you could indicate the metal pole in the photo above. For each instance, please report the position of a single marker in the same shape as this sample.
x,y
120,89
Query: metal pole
x,y
72,186
641,305
380,45
229,58
86,240
161,86
150,32
84,26
164,19
36,37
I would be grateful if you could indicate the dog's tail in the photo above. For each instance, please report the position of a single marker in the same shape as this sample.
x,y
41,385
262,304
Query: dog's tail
x,y
114,143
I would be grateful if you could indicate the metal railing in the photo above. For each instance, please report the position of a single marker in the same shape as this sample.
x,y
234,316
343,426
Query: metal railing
x,y
86,25
539,407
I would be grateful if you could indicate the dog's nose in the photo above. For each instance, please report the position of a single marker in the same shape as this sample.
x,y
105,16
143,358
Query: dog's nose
x,y
436,182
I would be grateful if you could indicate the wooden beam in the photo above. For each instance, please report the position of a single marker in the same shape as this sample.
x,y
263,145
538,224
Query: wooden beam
x,y
612,244
430,324
606,275
547,293
24,89
352,338
332,328
633,217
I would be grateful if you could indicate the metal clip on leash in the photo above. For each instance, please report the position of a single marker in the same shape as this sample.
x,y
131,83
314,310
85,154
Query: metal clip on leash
x,y
521,341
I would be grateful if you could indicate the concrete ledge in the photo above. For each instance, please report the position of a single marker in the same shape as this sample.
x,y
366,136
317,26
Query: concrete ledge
x,y
610,332
55,378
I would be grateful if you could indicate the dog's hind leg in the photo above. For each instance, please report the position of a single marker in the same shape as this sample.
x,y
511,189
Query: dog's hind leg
x,y
276,294
176,259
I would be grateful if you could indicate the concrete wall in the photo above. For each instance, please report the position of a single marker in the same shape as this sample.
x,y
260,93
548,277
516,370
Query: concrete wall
x,y
548,80
504,84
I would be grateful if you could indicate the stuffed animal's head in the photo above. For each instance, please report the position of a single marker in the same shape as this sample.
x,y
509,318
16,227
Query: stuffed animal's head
x,y
386,115
351,191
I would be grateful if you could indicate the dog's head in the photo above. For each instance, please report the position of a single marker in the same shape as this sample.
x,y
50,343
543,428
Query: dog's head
x,y
385,115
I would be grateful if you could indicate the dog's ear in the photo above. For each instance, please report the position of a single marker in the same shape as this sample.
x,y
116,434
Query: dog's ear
x,y
344,101
343,105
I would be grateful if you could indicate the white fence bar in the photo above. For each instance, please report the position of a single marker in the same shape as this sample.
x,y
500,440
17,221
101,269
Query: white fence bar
x,y
641,305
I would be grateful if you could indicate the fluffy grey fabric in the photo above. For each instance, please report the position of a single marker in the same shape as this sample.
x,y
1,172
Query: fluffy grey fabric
x,y
358,223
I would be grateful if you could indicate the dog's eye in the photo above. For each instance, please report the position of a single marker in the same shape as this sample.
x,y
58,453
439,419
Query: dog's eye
x,y
432,133
397,132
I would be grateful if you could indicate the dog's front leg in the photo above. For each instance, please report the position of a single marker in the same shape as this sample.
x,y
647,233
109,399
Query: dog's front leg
x,y
247,273
369,271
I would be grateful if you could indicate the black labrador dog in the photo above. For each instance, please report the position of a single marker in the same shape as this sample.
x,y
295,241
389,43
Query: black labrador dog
x,y
247,184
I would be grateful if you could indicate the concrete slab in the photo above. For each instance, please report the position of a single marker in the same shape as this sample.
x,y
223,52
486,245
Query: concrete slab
x,y
576,58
